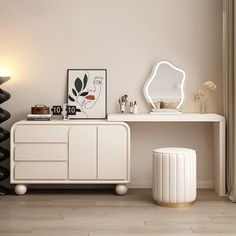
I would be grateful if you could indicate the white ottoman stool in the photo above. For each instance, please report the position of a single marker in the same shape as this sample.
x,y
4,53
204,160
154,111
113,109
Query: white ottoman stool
x,y
174,176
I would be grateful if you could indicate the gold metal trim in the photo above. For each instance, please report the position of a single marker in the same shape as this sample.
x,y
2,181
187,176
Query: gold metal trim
x,y
175,205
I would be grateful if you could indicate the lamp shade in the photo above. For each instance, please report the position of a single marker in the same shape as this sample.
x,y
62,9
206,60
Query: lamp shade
x,y
4,72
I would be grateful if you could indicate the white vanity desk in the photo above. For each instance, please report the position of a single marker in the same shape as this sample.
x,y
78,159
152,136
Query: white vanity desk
x,y
218,135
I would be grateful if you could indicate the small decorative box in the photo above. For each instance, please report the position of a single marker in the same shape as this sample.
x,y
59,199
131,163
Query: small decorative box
x,y
40,109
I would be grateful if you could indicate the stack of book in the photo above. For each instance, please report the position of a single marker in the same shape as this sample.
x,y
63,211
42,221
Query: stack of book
x,y
39,117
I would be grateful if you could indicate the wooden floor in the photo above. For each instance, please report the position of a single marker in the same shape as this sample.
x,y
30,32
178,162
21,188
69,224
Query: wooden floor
x,y
101,212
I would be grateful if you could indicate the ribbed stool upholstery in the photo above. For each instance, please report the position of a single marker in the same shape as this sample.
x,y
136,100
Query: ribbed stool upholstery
x,y
174,176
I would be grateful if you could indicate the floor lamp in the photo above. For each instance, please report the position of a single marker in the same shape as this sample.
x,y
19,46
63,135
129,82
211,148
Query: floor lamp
x,y
4,134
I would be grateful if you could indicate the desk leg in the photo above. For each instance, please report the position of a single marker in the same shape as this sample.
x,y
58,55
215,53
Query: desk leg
x,y
219,157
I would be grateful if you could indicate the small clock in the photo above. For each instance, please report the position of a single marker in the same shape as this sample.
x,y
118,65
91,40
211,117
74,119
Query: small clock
x,y
71,110
57,110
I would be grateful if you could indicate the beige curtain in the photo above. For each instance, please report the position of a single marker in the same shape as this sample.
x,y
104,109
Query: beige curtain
x,y
229,91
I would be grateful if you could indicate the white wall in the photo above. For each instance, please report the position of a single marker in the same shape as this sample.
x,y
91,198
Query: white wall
x,y
40,39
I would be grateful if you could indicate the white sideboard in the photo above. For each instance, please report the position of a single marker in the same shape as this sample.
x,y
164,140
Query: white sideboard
x,y
79,152
218,136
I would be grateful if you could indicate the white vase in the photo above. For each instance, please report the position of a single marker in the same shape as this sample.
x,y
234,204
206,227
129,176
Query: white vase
x,y
203,107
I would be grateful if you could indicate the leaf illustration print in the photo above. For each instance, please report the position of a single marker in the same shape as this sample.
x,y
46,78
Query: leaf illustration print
x,y
85,81
78,84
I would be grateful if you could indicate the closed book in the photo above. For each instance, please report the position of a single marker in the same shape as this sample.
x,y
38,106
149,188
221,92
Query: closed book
x,y
36,116
39,119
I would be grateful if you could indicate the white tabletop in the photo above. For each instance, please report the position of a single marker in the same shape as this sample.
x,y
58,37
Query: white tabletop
x,y
182,117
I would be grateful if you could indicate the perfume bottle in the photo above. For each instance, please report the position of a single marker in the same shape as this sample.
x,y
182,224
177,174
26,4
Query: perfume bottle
x,y
131,108
135,108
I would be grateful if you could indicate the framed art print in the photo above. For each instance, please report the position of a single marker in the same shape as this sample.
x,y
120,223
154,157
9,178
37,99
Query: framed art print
x,y
87,90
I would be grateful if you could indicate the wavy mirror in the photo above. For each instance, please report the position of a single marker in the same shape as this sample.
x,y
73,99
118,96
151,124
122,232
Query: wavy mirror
x,y
164,89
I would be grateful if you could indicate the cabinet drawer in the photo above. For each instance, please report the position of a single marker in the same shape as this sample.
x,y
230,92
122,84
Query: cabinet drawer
x,y
40,171
41,152
40,133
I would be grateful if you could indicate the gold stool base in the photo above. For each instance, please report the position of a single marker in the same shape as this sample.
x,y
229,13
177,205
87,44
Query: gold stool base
x,y
175,205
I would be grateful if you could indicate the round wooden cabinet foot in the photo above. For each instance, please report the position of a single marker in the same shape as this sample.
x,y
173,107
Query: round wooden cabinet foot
x,y
20,189
121,189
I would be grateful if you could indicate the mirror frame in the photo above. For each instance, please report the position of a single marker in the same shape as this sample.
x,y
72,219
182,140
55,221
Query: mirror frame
x,y
152,77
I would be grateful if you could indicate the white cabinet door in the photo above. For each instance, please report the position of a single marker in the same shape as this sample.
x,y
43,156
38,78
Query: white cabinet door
x,y
83,152
112,152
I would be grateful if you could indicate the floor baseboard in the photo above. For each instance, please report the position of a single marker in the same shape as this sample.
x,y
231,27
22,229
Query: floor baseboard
x,y
147,184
